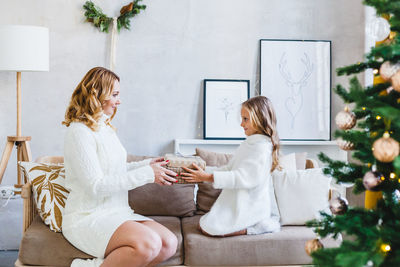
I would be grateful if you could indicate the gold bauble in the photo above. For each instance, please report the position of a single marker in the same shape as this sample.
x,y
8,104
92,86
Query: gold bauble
x,y
345,119
345,145
313,245
396,81
372,180
338,205
388,69
386,149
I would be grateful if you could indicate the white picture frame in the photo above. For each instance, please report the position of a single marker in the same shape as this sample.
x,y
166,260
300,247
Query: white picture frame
x,y
222,104
296,76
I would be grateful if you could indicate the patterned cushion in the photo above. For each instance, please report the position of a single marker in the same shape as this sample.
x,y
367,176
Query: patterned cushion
x,y
48,186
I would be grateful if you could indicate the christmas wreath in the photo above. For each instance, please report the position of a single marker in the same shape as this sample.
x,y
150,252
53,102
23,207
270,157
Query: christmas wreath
x,y
100,20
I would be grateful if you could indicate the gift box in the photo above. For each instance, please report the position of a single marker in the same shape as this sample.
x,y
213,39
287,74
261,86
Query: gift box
x,y
177,162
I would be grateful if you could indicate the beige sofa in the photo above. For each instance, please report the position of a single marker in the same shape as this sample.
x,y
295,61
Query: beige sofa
x,y
175,207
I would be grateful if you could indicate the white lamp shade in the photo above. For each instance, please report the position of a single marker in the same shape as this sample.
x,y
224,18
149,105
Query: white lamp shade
x,y
24,48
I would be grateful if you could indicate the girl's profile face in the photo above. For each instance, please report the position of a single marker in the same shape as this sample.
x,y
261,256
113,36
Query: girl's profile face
x,y
110,105
246,123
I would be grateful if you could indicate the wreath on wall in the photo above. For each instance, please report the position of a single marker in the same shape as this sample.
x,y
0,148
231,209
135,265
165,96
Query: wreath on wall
x,y
95,15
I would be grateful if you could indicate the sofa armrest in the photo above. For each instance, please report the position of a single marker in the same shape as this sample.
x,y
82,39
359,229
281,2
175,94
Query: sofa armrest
x,y
29,206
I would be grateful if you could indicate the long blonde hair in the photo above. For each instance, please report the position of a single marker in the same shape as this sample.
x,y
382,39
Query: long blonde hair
x,y
263,118
87,99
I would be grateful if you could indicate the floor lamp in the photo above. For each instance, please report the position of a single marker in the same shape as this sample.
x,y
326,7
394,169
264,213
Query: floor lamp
x,y
22,48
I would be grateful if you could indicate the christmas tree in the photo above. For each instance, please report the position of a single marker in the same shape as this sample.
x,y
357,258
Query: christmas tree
x,y
371,129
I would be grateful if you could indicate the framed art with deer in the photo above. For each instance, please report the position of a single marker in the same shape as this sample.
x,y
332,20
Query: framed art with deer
x,y
296,76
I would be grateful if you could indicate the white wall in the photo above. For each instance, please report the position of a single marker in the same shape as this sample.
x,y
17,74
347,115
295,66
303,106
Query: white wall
x,y
172,46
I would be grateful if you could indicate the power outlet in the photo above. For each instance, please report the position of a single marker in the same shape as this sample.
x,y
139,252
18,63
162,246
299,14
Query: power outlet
x,y
7,192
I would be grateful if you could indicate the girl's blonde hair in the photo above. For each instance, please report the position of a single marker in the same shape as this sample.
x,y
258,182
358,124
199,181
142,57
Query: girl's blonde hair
x,y
87,99
263,118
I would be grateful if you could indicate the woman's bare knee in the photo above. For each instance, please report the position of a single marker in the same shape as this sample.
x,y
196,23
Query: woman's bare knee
x,y
169,246
149,247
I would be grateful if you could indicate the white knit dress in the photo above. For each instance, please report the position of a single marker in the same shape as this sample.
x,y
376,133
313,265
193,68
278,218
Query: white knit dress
x,y
98,179
247,200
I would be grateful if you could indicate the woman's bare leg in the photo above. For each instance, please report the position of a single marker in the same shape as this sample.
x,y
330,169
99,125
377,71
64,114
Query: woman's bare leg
x,y
168,240
132,244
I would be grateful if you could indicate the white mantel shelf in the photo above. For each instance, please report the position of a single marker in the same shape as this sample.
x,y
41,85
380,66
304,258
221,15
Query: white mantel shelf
x,y
313,148
237,142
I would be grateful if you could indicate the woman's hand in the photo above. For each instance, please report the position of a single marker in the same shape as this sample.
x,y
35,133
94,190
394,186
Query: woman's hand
x,y
162,176
155,160
196,175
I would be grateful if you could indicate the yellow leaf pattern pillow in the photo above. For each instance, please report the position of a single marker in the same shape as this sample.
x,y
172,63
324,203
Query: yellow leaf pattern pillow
x,y
49,193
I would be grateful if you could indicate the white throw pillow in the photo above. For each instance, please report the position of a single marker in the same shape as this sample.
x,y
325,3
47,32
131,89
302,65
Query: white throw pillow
x,y
301,160
301,194
293,161
288,162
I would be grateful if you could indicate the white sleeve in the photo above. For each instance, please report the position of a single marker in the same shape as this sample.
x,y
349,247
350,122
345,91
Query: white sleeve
x,y
212,169
137,164
247,173
81,156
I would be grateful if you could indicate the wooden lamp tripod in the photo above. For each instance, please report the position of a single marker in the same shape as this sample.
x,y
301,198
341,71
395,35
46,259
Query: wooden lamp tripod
x,y
22,142
22,48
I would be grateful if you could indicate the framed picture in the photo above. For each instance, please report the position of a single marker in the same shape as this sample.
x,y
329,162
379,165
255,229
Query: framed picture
x,y
222,104
296,76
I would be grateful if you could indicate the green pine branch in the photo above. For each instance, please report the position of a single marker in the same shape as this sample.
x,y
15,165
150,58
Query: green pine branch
x,y
100,20
124,20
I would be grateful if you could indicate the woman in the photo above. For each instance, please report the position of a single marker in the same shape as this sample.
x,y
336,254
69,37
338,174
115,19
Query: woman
x,y
97,218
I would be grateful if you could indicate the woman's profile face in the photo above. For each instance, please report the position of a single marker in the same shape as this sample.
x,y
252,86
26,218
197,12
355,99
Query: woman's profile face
x,y
110,105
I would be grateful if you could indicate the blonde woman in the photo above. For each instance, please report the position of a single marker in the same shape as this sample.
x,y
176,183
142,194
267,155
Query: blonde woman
x,y
247,203
97,218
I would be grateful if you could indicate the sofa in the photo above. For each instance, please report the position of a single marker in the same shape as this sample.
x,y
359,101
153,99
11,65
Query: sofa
x,y
179,208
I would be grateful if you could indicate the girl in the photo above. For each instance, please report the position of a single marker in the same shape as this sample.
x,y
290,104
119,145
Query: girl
x,y
247,203
97,218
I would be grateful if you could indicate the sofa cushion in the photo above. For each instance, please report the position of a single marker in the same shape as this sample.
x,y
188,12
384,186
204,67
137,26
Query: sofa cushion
x,y
301,194
154,199
206,193
282,248
41,246
49,192
293,161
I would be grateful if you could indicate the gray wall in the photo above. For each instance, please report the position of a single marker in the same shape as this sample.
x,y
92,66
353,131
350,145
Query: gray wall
x,y
172,47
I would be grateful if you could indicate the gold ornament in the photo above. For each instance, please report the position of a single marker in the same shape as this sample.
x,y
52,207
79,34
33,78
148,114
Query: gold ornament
x,y
385,149
345,145
372,180
385,247
396,81
313,245
345,119
338,205
387,70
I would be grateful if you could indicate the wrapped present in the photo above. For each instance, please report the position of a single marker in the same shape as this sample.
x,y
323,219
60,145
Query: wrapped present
x,y
177,162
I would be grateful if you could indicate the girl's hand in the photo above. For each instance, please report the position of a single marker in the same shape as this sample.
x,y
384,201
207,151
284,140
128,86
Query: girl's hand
x,y
196,175
163,176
